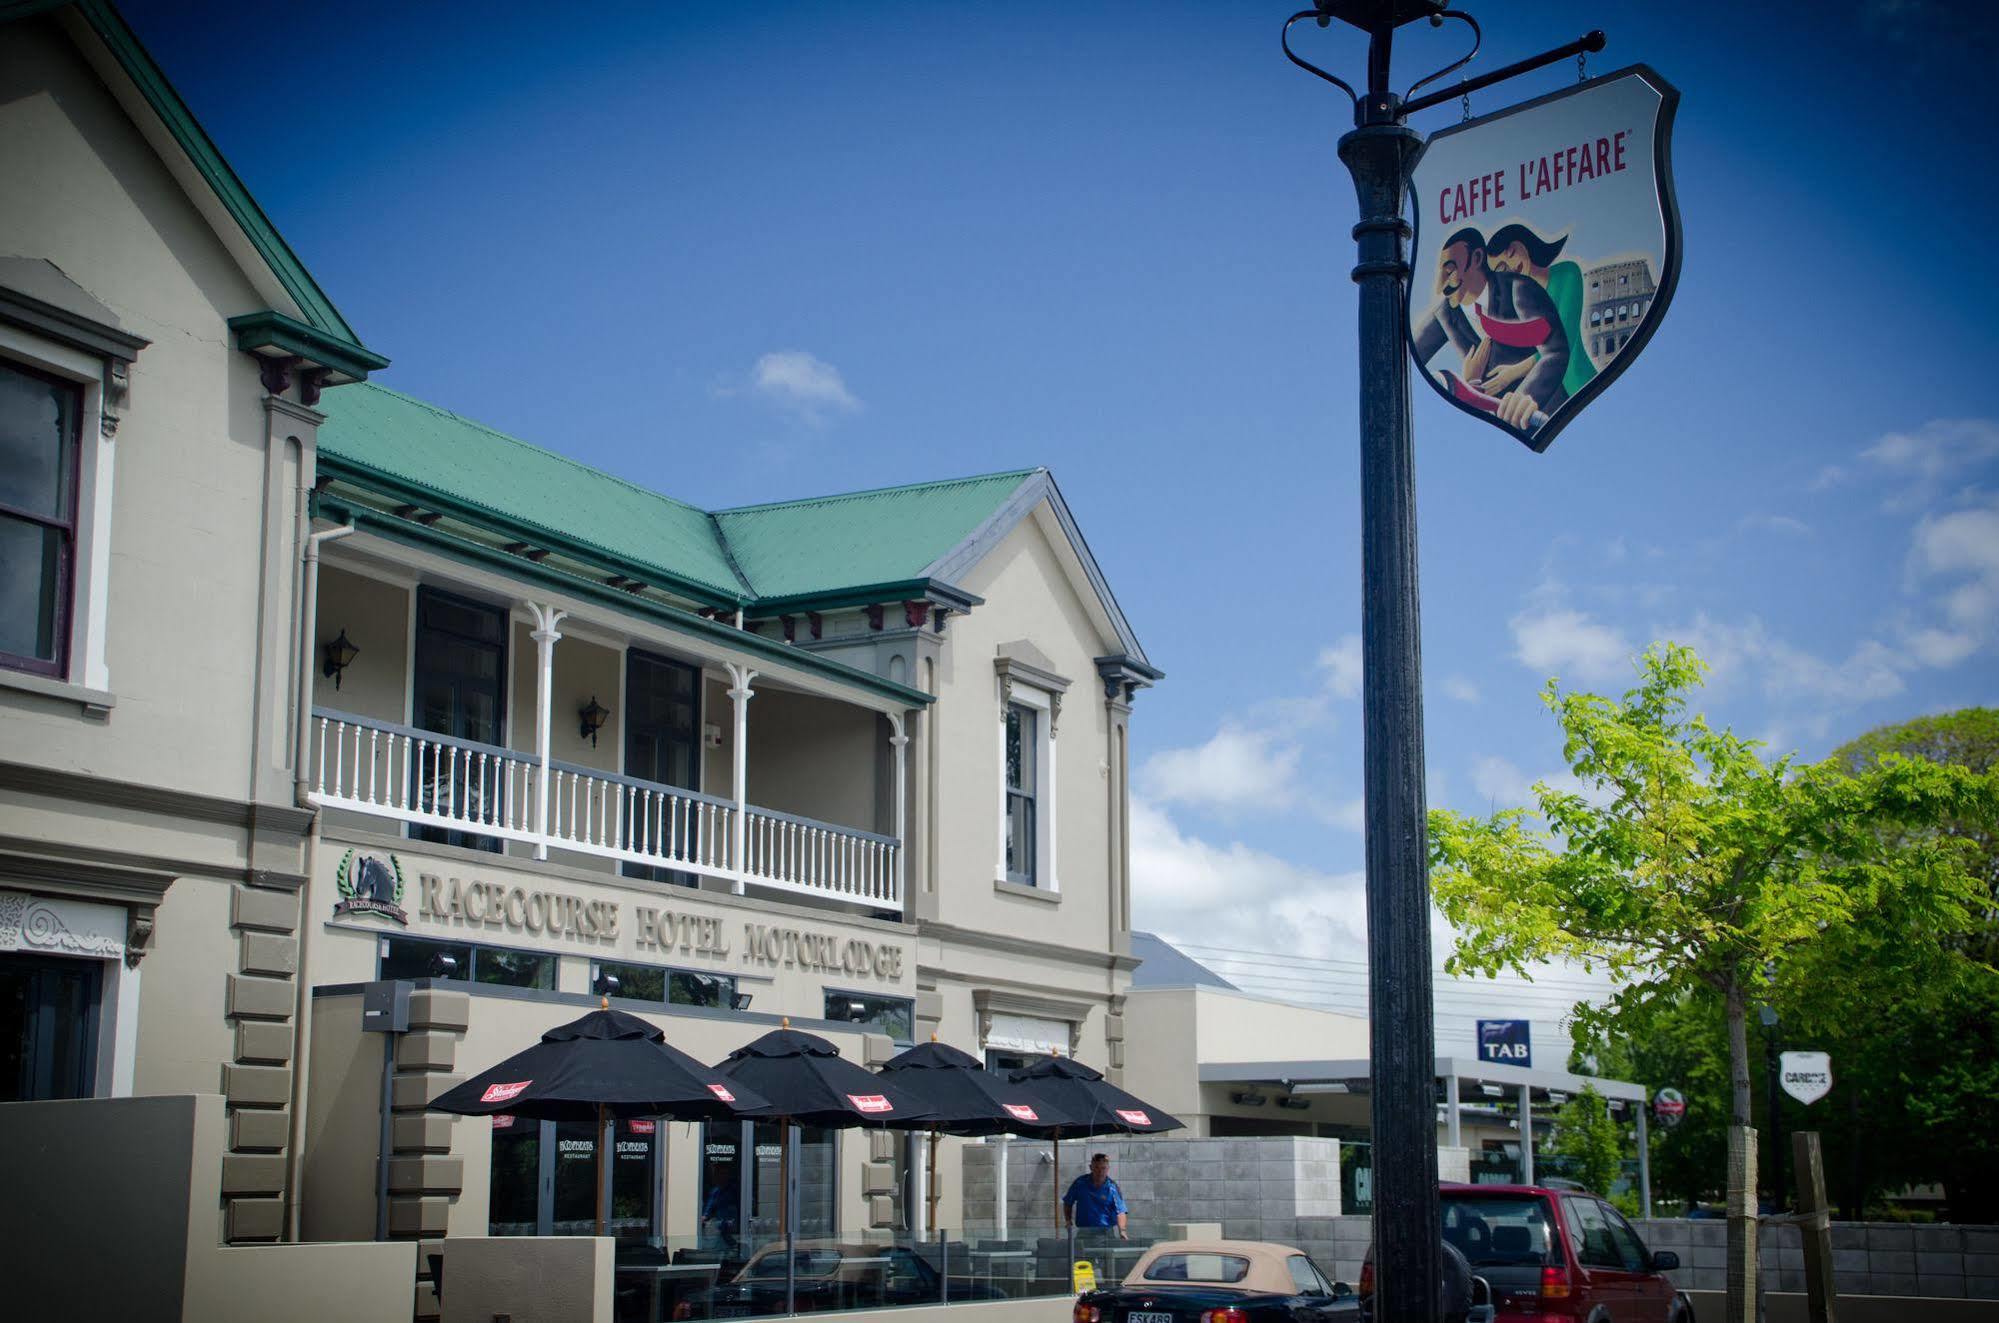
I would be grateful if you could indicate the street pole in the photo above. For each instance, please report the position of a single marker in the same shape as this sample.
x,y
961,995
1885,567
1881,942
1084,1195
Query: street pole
x,y
1379,153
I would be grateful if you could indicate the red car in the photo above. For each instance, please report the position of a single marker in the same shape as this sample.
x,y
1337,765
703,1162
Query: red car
x,y
1556,1255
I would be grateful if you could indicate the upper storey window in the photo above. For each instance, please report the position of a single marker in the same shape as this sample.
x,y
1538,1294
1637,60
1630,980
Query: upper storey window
x,y
39,443
1023,784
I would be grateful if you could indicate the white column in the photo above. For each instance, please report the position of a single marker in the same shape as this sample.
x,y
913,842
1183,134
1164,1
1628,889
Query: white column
x,y
1452,1133
1005,1142
740,694
900,740
919,1183
1644,1163
1526,1135
546,618
1047,789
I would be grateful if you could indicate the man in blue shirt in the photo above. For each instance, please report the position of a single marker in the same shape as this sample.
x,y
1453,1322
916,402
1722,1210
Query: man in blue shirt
x,y
1094,1199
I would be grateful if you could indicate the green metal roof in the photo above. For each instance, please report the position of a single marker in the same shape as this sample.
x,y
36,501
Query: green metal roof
x,y
753,555
466,466
890,535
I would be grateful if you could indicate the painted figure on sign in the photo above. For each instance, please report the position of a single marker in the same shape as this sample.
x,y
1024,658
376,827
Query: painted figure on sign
x,y
374,881
1517,249
1515,347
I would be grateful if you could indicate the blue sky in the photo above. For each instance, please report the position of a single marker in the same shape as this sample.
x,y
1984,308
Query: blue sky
x,y
747,252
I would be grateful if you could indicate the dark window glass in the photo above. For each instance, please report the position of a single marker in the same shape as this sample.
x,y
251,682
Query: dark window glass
x,y
688,989
1003,1062
575,1179
677,987
1501,1229
1590,1236
48,1027
414,957
513,969
893,1016
662,738
1022,780
514,1198
639,982
38,462
461,667
721,1182
1629,1248
1304,1276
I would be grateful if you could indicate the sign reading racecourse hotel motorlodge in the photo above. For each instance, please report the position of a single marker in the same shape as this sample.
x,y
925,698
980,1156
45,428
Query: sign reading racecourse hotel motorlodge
x,y
1547,248
554,916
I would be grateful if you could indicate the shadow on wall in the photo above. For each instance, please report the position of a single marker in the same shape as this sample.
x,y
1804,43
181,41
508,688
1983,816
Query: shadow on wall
x,y
119,1216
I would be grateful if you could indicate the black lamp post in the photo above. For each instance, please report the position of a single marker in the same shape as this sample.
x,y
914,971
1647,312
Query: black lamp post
x,y
1379,153
337,656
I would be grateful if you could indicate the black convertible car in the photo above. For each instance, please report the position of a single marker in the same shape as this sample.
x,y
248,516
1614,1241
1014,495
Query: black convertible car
x,y
1220,1281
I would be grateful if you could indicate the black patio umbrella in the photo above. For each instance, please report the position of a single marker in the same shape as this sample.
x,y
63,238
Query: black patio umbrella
x,y
606,1064
1097,1106
968,1099
804,1081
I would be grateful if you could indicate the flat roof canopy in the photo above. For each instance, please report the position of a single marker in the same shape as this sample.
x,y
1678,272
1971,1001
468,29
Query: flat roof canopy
x,y
1468,1070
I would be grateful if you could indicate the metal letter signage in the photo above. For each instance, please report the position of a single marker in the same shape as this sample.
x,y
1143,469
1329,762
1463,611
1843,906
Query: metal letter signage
x,y
1807,1076
1507,1042
1547,248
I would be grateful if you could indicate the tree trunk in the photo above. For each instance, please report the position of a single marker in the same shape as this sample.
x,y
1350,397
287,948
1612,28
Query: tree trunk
x,y
1742,1293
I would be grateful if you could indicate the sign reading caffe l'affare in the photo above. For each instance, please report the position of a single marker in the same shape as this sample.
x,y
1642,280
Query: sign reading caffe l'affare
x,y
1547,248
602,922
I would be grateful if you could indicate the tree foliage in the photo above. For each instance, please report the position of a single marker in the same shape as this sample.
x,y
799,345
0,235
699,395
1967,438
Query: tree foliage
x,y
1688,866
1592,1141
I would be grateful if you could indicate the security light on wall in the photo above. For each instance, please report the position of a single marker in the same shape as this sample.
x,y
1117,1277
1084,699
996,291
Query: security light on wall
x,y
1492,1090
1248,1099
593,716
1295,1104
607,985
338,656
1557,1096
741,1001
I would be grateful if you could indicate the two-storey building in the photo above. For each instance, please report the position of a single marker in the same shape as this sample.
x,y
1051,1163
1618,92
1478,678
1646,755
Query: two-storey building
x,y
306,684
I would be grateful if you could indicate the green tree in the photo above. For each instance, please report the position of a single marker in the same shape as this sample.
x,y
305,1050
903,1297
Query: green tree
x,y
1586,1135
1686,861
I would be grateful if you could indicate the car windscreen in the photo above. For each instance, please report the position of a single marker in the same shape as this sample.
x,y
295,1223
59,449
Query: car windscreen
x,y
1494,1230
1224,1268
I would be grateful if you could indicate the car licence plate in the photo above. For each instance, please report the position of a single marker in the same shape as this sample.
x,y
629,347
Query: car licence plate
x,y
1148,1316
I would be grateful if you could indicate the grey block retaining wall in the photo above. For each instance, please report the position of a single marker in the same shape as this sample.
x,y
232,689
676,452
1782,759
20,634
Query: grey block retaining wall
x,y
1287,1189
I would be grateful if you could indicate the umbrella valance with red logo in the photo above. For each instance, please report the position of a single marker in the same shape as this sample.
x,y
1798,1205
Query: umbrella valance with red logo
x,y
968,1099
803,1078
609,1060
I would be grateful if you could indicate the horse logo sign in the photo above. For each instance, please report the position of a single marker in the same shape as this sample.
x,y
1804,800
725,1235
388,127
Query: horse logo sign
x,y
1547,248
369,885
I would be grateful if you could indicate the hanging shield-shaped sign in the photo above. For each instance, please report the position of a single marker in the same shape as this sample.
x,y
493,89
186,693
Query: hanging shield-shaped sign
x,y
1806,1076
1547,248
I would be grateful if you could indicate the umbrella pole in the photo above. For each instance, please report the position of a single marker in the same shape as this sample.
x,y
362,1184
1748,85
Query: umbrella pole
x,y
784,1180
930,1180
1055,1185
600,1168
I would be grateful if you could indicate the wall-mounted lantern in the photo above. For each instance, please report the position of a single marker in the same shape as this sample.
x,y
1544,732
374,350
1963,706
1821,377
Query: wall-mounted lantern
x,y
339,655
593,717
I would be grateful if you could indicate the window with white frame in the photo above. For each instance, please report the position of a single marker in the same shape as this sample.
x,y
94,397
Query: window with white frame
x,y
64,377
1023,784
39,454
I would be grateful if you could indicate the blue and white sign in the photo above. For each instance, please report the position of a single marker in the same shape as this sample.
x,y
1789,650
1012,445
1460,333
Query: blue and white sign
x,y
1506,1042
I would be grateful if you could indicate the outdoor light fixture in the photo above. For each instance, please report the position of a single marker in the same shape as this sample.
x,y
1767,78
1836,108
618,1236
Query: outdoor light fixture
x,y
607,985
593,717
1295,1104
1248,1099
339,655
1491,1090
1557,1096
741,1001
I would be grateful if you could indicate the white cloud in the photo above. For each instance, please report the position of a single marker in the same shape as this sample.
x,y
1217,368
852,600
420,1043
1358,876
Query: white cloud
x,y
1237,769
1502,785
1934,460
1463,690
1565,642
1774,523
805,386
1190,889
1746,650
1341,663
1347,815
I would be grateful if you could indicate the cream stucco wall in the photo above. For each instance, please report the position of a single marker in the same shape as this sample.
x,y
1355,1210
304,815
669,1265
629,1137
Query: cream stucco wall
x,y
188,519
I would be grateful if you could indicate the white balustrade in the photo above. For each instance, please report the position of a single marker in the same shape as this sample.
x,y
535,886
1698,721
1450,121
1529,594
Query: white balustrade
x,y
374,767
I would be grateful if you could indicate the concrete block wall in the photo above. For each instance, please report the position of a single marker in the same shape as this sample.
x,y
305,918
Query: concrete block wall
x,y
1258,1189
1868,1258
259,998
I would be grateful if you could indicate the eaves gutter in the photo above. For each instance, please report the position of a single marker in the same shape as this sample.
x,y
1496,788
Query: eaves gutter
x,y
261,332
406,492
616,600
897,590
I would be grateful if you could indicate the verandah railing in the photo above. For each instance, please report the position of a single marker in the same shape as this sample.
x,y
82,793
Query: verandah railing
x,y
484,791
